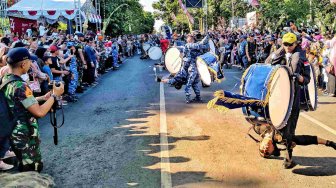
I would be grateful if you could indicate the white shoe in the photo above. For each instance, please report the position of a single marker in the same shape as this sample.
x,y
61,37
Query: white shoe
x,y
9,154
4,166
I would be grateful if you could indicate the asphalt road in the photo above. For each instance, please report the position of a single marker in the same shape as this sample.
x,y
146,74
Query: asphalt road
x,y
115,136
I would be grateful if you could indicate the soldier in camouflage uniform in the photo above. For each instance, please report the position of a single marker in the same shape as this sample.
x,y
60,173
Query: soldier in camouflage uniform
x,y
81,60
25,138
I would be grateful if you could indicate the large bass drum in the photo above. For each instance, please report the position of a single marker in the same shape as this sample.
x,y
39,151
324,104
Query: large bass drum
x,y
274,86
155,53
208,68
173,60
308,95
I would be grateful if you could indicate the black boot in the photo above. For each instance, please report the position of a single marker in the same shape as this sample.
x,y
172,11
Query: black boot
x,y
288,161
79,90
331,144
197,99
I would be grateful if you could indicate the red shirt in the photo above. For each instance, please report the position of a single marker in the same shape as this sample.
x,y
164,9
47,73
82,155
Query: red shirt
x,y
164,45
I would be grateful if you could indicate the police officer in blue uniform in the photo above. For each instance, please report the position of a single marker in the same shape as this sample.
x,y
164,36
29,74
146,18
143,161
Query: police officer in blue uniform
x,y
74,71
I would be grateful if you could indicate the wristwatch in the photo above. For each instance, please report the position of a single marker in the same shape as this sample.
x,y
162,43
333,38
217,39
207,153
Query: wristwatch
x,y
55,96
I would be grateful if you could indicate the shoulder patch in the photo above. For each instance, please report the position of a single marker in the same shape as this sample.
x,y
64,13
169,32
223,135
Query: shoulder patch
x,y
28,92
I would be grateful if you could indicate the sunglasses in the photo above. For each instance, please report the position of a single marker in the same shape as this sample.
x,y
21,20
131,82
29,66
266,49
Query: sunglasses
x,y
288,44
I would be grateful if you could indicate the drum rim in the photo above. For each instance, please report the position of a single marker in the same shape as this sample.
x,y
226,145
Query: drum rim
x,y
310,106
291,100
166,61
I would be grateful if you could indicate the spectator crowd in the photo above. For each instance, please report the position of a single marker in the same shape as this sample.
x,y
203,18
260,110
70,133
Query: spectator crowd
x,y
77,60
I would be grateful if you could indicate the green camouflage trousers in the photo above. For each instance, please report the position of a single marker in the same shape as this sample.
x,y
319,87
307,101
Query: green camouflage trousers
x,y
80,74
25,141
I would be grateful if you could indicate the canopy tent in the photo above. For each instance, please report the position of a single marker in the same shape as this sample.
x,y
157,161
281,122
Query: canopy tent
x,y
51,9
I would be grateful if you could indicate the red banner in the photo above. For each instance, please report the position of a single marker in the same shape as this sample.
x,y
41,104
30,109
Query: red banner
x,y
20,25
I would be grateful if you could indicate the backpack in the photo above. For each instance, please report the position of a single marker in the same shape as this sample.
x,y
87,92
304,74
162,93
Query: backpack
x,y
7,122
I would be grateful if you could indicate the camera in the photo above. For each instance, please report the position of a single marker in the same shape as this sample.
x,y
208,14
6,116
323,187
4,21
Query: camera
x,y
57,84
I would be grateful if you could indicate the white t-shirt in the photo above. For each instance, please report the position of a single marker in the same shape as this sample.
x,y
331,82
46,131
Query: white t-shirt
x,y
29,32
42,30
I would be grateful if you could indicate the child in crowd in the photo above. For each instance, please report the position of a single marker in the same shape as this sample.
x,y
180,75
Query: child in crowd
x,y
46,69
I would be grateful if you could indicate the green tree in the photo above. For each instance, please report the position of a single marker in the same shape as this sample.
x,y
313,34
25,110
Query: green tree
x,y
272,14
130,19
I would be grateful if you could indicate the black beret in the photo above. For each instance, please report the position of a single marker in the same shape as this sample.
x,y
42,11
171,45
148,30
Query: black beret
x,y
18,44
16,55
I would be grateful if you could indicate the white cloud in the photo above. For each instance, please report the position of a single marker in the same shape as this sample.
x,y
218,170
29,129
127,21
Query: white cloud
x,y
148,7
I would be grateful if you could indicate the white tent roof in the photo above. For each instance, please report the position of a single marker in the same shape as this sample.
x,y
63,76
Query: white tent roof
x,y
40,5
52,9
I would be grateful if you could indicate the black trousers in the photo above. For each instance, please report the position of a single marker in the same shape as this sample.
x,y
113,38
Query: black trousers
x,y
90,75
288,132
331,84
305,140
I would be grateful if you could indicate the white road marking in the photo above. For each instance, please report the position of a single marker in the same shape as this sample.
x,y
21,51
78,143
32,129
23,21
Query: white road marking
x,y
304,115
324,126
166,181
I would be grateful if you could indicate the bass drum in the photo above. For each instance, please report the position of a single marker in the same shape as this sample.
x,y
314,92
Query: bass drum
x,y
155,53
274,86
309,93
204,62
173,60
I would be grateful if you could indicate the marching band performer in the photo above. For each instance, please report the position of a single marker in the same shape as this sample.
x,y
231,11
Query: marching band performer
x,y
301,70
191,51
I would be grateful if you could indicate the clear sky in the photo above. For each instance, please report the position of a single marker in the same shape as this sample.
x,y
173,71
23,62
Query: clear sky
x,y
148,7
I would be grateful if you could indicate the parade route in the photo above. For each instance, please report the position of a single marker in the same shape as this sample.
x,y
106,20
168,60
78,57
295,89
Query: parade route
x,y
134,132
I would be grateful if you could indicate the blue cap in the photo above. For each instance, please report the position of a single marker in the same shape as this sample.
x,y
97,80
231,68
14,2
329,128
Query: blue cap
x,y
70,44
16,55
33,57
80,34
